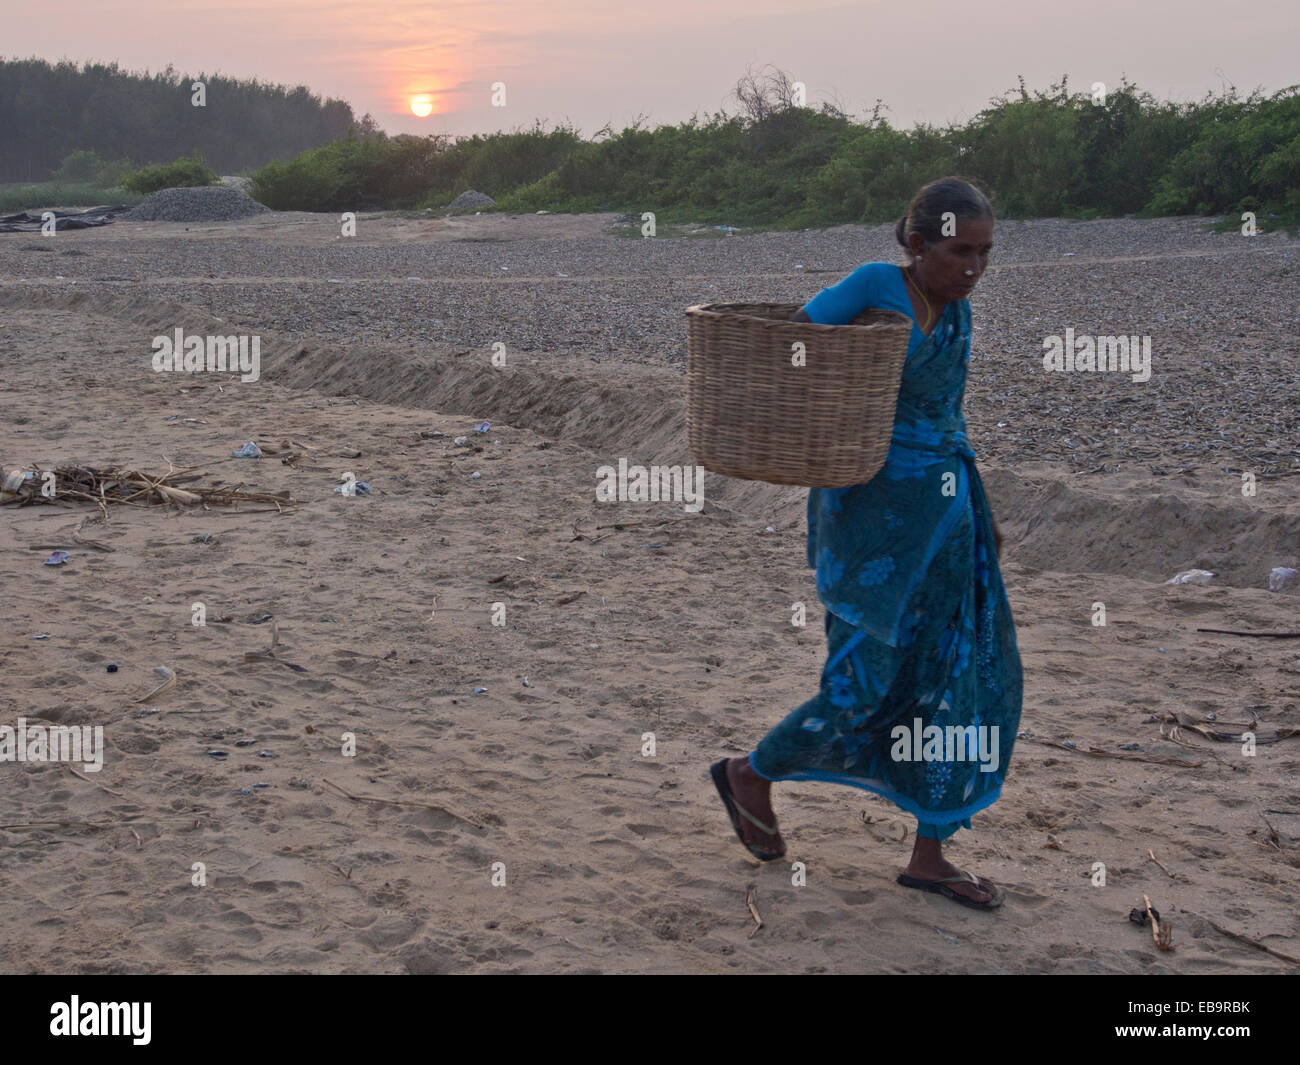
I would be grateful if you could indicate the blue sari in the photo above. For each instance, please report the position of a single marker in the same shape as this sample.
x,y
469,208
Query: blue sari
x,y
918,627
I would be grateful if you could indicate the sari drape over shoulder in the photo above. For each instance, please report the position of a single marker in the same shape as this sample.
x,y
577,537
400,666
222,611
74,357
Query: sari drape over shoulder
x,y
918,624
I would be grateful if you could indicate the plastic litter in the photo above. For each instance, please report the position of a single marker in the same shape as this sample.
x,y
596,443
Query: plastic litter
x,y
1279,576
483,428
1191,576
57,558
354,488
479,691
475,475
111,667
248,451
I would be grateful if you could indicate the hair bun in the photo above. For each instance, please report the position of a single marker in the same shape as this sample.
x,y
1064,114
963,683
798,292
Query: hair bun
x,y
900,230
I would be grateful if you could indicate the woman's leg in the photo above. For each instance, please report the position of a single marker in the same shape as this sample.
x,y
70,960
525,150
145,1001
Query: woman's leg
x,y
754,793
928,862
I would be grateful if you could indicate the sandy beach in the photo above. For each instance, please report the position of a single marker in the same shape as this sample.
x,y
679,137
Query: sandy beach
x,y
522,743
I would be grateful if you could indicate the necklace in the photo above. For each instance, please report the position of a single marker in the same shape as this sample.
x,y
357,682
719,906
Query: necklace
x,y
928,312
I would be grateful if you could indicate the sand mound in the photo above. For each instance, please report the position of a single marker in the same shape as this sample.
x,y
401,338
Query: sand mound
x,y
470,200
210,203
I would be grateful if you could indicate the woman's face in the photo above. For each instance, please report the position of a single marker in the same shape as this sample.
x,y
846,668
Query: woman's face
x,y
942,267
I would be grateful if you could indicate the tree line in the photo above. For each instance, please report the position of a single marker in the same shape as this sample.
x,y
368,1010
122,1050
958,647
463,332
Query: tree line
x,y
49,111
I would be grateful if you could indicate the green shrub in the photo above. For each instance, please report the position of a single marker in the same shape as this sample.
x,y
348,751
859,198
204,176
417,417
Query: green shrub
x,y
180,173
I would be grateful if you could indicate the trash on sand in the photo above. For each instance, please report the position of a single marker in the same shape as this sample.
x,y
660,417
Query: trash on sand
x,y
483,428
248,451
1279,576
42,636
169,682
203,538
1139,916
1191,576
15,479
475,475
111,667
354,488
479,691
460,441
57,558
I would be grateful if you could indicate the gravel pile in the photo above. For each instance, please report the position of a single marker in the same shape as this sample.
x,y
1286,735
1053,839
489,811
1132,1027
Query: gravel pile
x,y
470,201
210,203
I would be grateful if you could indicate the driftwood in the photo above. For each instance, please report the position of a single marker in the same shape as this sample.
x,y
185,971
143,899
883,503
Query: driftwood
x,y
1093,752
1177,721
116,486
1235,632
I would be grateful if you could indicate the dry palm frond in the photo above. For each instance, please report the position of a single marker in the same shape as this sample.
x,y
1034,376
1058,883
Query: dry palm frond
x,y
111,485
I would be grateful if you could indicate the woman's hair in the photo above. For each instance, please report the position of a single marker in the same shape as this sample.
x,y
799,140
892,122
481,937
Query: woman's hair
x,y
925,212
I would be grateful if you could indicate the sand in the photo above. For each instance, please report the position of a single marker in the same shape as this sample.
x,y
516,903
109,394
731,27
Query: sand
x,y
673,623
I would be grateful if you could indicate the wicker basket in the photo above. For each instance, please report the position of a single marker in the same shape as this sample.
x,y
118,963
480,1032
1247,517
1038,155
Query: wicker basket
x,y
750,413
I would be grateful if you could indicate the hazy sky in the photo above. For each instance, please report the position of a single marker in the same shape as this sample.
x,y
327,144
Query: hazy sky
x,y
594,62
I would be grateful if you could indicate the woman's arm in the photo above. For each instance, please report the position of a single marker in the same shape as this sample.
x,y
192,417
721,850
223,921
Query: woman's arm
x,y
801,316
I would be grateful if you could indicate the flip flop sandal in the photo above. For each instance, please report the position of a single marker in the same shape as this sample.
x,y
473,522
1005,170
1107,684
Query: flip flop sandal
x,y
940,887
735,811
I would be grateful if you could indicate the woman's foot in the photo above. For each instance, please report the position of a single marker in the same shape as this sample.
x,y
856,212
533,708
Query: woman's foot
x,y
929,864
753,794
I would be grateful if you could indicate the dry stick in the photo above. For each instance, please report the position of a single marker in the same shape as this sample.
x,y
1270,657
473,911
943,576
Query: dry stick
x,y
634,524
1120,757
166,686
758,921
403,802
1246,939
137,839
1152,855
1162,938
91,824
1234,632
95,782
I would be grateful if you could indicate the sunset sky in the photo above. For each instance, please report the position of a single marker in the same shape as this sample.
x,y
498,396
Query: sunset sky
x,y
594,62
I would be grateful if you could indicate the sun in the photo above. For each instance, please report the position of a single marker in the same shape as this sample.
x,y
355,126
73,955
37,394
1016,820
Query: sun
x,y
422,105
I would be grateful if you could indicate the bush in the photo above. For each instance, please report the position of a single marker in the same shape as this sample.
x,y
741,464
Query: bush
x,y
1042,154
181,173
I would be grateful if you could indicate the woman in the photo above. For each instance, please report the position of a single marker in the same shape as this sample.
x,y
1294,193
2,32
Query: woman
x,y
918,625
